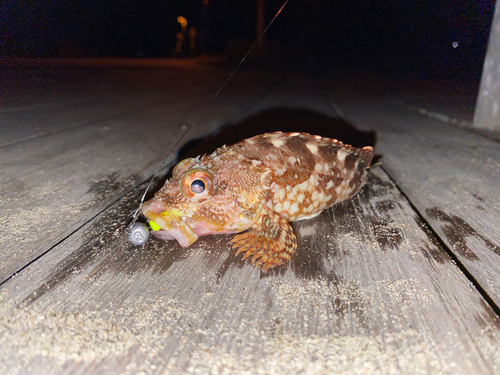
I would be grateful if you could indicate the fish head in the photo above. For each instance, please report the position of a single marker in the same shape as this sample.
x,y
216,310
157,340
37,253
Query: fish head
x,y
222,193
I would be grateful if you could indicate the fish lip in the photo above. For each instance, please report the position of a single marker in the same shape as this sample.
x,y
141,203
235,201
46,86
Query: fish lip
x,y
170,221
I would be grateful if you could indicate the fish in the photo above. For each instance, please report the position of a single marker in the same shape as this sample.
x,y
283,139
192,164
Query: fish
x,y
255,188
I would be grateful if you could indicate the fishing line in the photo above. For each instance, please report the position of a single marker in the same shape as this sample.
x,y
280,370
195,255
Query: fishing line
x,y
138,232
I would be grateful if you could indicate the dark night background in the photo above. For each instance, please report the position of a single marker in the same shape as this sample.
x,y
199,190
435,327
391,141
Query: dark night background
x,y
398,37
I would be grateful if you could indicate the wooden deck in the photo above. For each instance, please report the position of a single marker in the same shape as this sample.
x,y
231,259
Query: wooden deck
x,y
404,278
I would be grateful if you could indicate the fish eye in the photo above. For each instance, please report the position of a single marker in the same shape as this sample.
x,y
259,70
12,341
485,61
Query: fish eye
x,y
196,183
198,186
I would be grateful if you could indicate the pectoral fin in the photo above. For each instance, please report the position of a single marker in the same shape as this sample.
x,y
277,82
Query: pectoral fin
x,y
270,241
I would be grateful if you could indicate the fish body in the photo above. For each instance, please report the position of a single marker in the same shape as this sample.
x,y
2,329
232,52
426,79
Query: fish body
x,y
261,183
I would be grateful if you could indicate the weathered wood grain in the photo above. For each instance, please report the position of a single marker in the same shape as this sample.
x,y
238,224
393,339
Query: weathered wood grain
x,y
43,81
51,185
369,291
52,100
21,124
450,175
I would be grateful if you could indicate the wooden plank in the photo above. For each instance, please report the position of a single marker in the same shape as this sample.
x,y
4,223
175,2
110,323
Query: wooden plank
x,y
83,96
369,291
42,81
450,175
21,124
52,185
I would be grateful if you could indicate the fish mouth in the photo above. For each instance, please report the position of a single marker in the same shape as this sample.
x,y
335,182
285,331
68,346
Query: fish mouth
x,y
169,220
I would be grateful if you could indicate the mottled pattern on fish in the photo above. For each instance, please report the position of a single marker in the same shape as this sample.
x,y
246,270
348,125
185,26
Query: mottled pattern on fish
x,y
261,184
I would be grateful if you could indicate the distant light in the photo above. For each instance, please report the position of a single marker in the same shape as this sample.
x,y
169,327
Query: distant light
x,y
454,44
183,21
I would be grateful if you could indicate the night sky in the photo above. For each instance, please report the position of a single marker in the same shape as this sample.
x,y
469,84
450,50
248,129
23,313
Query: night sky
x,y
423,38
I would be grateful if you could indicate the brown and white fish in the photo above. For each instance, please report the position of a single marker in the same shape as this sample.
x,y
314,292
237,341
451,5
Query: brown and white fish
x,y
260,184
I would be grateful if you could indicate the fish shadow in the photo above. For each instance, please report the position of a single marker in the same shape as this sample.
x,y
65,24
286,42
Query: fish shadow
x,y
279,119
